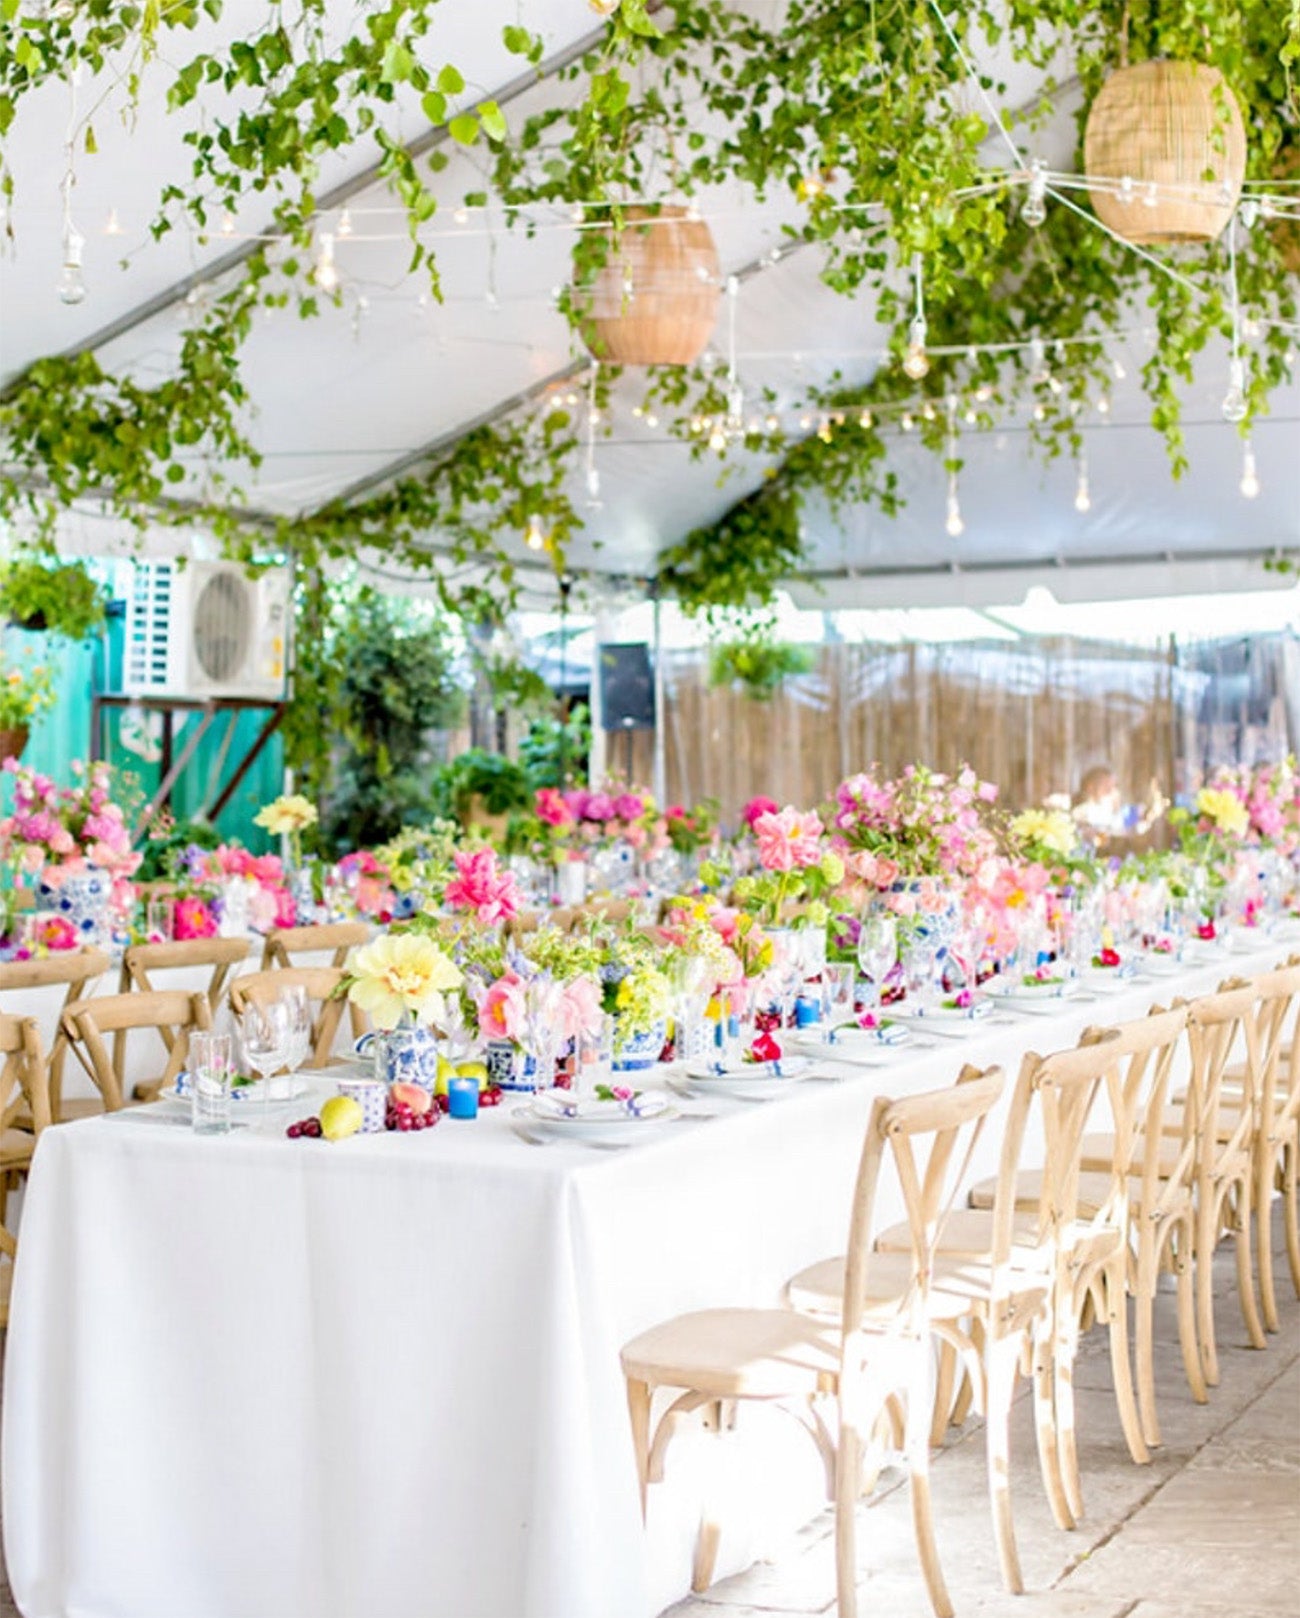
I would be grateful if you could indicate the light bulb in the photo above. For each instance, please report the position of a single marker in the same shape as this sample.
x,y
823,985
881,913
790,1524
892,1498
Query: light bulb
x,y
652,421
805,424
970,418
1119,371
535,534
63,10
824,432
71,285
1249,476
773,424
697,422
953,524
345,223
325,274
114,225
593,483
1234,406
906,422
1103,405
1082,498
461,215
1034,211
718,440
865,420
916,362
983,393
1038,371
603,8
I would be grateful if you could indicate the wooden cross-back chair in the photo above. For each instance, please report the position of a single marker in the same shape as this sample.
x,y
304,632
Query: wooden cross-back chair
x,y
320,982
141,962
171,1013
24,1091
1277,1139
878,1353
76,971
284,946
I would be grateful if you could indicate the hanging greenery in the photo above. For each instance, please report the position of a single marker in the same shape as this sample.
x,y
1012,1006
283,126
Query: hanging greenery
x,y
758,663
39,592
867,113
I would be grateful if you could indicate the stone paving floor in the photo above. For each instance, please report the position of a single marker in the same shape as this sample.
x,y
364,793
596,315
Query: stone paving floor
x,y
1211,1529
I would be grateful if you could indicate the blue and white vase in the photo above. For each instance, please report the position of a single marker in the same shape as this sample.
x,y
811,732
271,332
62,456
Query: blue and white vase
x,y
85,899
634,1052
409,1056
509,1067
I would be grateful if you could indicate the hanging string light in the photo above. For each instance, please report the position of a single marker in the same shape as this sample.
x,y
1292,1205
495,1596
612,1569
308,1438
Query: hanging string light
x,y
1082,494
1249,476
325,274
535,536
593,416
916,362
953,523
1234,406
1034,210
71,284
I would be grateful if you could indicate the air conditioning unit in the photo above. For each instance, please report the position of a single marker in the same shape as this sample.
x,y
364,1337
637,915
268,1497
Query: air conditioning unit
x,y
206,630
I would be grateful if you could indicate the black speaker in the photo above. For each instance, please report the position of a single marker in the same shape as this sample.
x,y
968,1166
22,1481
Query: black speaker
x,y
627,687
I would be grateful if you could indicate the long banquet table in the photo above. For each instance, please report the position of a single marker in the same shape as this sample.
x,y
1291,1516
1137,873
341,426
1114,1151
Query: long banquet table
x,y
249,1377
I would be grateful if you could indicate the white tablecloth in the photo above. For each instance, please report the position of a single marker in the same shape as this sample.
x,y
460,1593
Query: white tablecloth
x,y
258,1378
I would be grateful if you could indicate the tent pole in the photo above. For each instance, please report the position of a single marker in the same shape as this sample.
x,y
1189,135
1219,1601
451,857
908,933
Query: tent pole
x,y
658,783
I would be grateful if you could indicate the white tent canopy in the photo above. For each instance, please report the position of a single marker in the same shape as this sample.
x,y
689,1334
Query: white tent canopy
x,y
344,402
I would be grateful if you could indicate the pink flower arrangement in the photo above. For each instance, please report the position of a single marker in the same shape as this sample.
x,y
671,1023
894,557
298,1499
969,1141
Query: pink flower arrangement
x,y
551,809
788,840
924,823
481,886
59,830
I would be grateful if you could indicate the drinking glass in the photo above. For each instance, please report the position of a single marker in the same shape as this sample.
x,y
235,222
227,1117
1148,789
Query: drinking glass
x,y
267,1041
211,1072
877,951
297,1010
839,980
595,1063
920,964
158,921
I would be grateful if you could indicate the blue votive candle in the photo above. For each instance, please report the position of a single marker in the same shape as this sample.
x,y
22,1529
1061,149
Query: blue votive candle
x,y
462,1098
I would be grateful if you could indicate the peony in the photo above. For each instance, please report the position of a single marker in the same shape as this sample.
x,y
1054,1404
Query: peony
x,y
193,918
580,1007
290,813
481,886
788,839
401,974
56,933
501,1008
755,808
551,807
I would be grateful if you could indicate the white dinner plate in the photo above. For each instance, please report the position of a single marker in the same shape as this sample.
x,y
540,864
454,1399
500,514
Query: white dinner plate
x,y
596,1121
950,1016
1012,988
240,1093
789,1067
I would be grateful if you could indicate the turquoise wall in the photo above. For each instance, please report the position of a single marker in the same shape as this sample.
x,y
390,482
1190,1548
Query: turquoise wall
x,y
62,734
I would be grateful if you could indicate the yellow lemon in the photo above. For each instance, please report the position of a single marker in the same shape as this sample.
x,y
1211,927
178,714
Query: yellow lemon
x,y
474,1070
340,1117
446,1070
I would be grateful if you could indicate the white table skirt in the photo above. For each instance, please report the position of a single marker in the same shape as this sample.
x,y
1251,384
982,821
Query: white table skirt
x,y
256,1378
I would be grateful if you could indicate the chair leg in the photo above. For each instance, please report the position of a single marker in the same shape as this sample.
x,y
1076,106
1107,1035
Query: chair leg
x,y
1246,1270
848,1466
1065,1350
710,1531
1121,1370
918,1466
1264,1230
970,1392
638,1405
1001,1361
1144,1307
1184,1272
945,1382
1291,1211
1049,1459
1203,1260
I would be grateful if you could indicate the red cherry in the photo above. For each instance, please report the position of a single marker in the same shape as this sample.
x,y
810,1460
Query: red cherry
x,y
294,1131
311,1126
491,1097
441,1103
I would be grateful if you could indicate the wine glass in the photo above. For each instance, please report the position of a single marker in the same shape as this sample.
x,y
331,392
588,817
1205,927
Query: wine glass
x,y
877,951
298,1015
920,964
264,1031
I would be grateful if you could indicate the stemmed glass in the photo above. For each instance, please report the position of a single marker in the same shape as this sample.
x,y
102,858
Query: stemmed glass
x,y
877,951
920,964
297,1010
838,983
266,1037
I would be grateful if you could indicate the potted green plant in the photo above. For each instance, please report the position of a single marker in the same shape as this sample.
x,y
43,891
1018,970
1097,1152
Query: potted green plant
x,y
23,694
38,591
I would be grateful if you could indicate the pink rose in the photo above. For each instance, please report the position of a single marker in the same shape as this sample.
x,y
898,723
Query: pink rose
x,y
62,841
887,873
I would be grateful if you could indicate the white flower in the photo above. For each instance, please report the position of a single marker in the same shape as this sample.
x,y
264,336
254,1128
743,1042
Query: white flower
x,y
401,973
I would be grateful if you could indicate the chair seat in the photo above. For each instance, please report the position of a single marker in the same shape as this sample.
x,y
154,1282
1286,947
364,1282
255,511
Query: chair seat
x,y
957,1286
1099,1153
967,1232
737,1354
16,1148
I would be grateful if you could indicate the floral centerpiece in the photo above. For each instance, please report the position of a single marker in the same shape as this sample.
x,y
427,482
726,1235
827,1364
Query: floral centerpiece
x,y
418,861
480,888
228,888
691,830
288,816
798,871
401,978
573,824
921,824
76,842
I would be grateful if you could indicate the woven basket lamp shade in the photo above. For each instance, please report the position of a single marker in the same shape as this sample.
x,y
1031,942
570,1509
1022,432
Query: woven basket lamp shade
x,y
1169,124
655,300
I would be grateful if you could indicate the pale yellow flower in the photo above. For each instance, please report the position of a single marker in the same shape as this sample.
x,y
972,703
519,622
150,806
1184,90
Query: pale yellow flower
x,y
399,973
290,813
1225,809
1047,828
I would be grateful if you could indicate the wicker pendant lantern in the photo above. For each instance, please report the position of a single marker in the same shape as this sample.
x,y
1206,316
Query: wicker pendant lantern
x,y
655,299
1170,135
